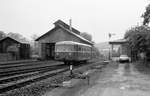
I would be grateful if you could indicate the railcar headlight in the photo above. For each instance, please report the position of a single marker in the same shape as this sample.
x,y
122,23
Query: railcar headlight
x,y
57,53
70,53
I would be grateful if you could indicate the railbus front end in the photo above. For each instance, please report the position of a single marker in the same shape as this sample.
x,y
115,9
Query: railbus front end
x,y
70,52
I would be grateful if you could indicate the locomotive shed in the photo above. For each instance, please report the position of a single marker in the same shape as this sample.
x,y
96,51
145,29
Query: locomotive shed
x,y
12,49
60,32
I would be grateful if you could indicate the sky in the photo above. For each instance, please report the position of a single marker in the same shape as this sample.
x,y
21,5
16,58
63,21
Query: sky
x,y
96,17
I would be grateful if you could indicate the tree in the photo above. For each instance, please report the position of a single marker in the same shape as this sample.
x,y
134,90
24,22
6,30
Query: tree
x,y
17,36
34,37
139,40
86,36
2,34
146,15
34,44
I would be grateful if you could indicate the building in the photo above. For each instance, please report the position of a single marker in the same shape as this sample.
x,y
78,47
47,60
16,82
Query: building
x,y
123,48
11,49
61,32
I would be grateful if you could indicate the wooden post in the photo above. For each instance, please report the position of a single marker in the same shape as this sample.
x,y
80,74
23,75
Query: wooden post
x,y
88,79
112,47
71,68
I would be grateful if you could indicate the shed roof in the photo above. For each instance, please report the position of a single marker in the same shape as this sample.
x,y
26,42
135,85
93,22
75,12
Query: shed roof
x,y
119,41
61,24
17,41
4,38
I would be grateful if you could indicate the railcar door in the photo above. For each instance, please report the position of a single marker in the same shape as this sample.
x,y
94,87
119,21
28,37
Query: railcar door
x,y
76,52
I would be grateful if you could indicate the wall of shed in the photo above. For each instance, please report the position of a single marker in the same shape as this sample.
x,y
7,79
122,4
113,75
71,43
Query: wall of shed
x,y
12,50
5,44
56,36
6,57
24,51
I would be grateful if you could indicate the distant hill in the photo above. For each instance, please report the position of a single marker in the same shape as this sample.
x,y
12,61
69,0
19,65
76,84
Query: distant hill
x,y
103,48
102,45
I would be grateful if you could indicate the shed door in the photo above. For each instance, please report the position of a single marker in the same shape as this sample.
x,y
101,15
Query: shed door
x,y
50,48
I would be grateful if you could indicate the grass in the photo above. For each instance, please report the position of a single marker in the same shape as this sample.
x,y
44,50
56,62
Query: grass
x,y
142,67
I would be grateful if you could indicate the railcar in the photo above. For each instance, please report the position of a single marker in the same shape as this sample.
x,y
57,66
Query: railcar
x,y
71,52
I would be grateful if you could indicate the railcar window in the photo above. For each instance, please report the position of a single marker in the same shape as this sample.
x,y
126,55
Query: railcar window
x,y
79,48
75,47
64,48
71,48
83,48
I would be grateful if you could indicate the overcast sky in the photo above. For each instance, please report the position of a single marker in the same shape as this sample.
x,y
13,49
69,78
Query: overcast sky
x,y
97,17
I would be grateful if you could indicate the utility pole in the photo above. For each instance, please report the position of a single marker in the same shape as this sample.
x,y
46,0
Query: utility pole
x,y
110,35
70,24
71,65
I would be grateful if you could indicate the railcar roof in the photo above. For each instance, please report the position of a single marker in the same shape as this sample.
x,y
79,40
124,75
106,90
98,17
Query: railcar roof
x,y
71,43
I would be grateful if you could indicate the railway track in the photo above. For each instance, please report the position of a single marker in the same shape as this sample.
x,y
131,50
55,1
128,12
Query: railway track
x,y
19,84
29,67
18,64
27,73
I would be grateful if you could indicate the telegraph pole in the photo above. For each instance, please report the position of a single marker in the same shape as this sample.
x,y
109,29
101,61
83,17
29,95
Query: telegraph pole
x,y
71,65
70,24
110,35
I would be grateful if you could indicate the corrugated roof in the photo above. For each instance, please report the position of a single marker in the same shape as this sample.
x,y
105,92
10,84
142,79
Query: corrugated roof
x,y
8,38
64,26
119,41
80,37
46,33
18,41
59,22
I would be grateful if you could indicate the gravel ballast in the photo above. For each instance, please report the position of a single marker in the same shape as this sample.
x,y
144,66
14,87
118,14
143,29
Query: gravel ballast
x,y
39,88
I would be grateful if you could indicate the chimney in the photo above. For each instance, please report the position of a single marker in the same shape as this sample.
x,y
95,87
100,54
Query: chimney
x,y
70,24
